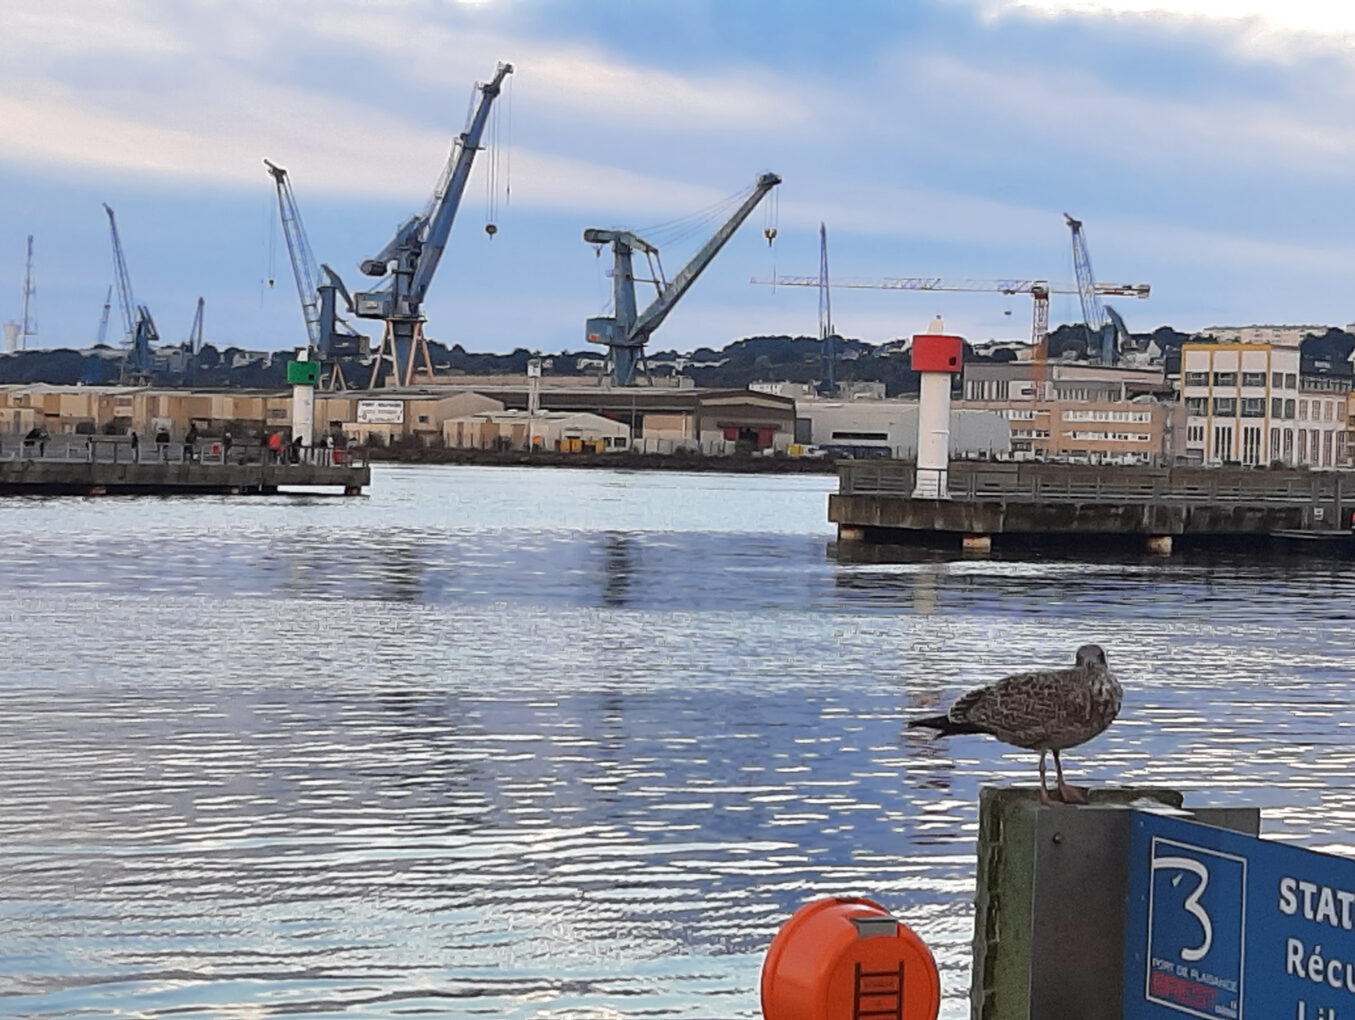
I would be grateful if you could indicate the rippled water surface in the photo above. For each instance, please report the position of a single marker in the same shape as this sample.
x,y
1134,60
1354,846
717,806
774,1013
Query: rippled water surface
x,y
566,744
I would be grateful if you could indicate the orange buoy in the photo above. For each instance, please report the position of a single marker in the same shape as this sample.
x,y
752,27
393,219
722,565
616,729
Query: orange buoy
x,y
838,958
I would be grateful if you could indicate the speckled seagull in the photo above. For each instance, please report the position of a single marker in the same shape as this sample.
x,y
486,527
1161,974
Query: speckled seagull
x,y
1050,710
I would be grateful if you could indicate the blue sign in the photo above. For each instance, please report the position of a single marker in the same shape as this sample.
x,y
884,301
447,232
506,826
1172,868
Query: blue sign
x,y
1224,926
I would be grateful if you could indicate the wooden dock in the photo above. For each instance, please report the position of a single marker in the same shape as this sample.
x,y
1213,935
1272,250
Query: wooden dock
x,y
100,465
1027,502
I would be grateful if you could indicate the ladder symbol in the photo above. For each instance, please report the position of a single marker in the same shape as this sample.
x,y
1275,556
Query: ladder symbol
x,y
879,994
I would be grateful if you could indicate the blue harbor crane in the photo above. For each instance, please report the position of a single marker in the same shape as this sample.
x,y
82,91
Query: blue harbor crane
x,y
319,287
139,327
411,257
1104,325
625,332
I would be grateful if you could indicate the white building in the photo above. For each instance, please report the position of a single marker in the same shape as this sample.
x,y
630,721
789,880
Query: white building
x,y
889,427
1248,403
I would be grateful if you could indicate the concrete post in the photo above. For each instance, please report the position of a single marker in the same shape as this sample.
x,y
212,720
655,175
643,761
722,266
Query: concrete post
x,y
1050,905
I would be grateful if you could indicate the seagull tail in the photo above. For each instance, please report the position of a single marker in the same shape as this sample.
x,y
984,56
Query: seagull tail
x,y
945,726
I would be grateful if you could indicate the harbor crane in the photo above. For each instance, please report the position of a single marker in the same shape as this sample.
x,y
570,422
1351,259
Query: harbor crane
x,y
411,257
318,286
1104,323
139,327
625,332
1039,290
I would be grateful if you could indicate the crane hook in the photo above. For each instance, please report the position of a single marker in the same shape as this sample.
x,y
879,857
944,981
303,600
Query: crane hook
x,y
491,229
770,234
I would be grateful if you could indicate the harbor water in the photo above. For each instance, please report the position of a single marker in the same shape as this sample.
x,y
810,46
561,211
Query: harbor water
x,y
566,744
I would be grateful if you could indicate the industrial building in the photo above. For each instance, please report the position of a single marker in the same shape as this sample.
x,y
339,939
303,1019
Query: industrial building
x,y
888,428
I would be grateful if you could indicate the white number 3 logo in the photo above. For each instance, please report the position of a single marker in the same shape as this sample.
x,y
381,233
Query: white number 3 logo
x,y
1192,903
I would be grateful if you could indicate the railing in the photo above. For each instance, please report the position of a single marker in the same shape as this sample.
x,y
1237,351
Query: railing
x,y
1030,482
205,452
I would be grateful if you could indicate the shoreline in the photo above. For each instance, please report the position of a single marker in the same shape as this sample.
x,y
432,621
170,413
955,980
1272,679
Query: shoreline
x,y
621,460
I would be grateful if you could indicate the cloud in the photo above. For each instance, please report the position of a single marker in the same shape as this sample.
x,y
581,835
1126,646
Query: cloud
x,y
1254,28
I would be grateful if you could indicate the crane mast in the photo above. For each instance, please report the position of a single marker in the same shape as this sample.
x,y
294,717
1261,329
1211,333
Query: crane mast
x,y
194,341
411,257
626,331
102,336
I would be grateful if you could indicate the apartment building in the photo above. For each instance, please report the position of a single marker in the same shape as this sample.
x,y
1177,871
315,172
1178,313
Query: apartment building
x,y
1275,335
1251,403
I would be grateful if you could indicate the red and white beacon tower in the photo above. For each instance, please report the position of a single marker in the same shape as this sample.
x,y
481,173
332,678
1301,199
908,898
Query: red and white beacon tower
x,y
939,357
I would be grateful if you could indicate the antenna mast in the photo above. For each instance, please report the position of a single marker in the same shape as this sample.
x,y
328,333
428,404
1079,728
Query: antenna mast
x,y
826,317
30,328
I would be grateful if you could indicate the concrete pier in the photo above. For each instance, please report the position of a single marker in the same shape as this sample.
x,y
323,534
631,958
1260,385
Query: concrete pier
x,y
1152,509
77,468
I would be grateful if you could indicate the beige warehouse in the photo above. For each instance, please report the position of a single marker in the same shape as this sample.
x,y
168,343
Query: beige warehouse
x,y
545,430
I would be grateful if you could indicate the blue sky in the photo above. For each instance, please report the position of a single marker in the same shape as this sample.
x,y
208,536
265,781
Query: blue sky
x,y
1207,149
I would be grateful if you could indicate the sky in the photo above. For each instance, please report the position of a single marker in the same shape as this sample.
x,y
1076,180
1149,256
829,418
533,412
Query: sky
x,y
1208,149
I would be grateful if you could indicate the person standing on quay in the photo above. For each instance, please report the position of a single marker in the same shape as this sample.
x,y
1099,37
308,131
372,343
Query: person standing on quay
x,y
136,447
190,443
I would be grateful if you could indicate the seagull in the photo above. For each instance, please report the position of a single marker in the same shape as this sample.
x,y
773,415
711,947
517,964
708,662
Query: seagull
x,y
1049,710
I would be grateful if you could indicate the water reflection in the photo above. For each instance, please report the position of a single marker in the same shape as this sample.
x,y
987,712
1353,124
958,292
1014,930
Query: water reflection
x,y
551,770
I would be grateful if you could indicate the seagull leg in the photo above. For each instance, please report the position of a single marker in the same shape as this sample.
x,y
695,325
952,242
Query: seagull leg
x,y
1069,794
1044,790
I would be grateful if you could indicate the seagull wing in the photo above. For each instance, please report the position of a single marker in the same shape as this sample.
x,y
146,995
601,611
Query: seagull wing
x,y
1024,708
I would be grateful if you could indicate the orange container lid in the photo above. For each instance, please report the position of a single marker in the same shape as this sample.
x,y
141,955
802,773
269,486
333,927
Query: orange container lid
x,y
846,957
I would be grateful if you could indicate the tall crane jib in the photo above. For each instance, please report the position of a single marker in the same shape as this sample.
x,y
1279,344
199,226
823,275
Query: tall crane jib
x,y
411,257
1106,330
625,332
318,286
140,327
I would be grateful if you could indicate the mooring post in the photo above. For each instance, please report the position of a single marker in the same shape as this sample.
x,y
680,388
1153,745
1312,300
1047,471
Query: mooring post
x,y
1051,899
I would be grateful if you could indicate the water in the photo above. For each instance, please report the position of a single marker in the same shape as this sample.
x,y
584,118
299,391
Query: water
x,y
565,744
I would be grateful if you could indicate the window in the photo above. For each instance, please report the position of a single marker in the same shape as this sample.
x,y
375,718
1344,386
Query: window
x,y
1277,380
1253,378
1276,407
1251,445
1195,434
423,419
1303,410
1197,378
1225,378
1291,380
1274,444
1225,407
877,436
1326,449
1303,445
1289,407
1289,445
1223,442
1197,407
1253,407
